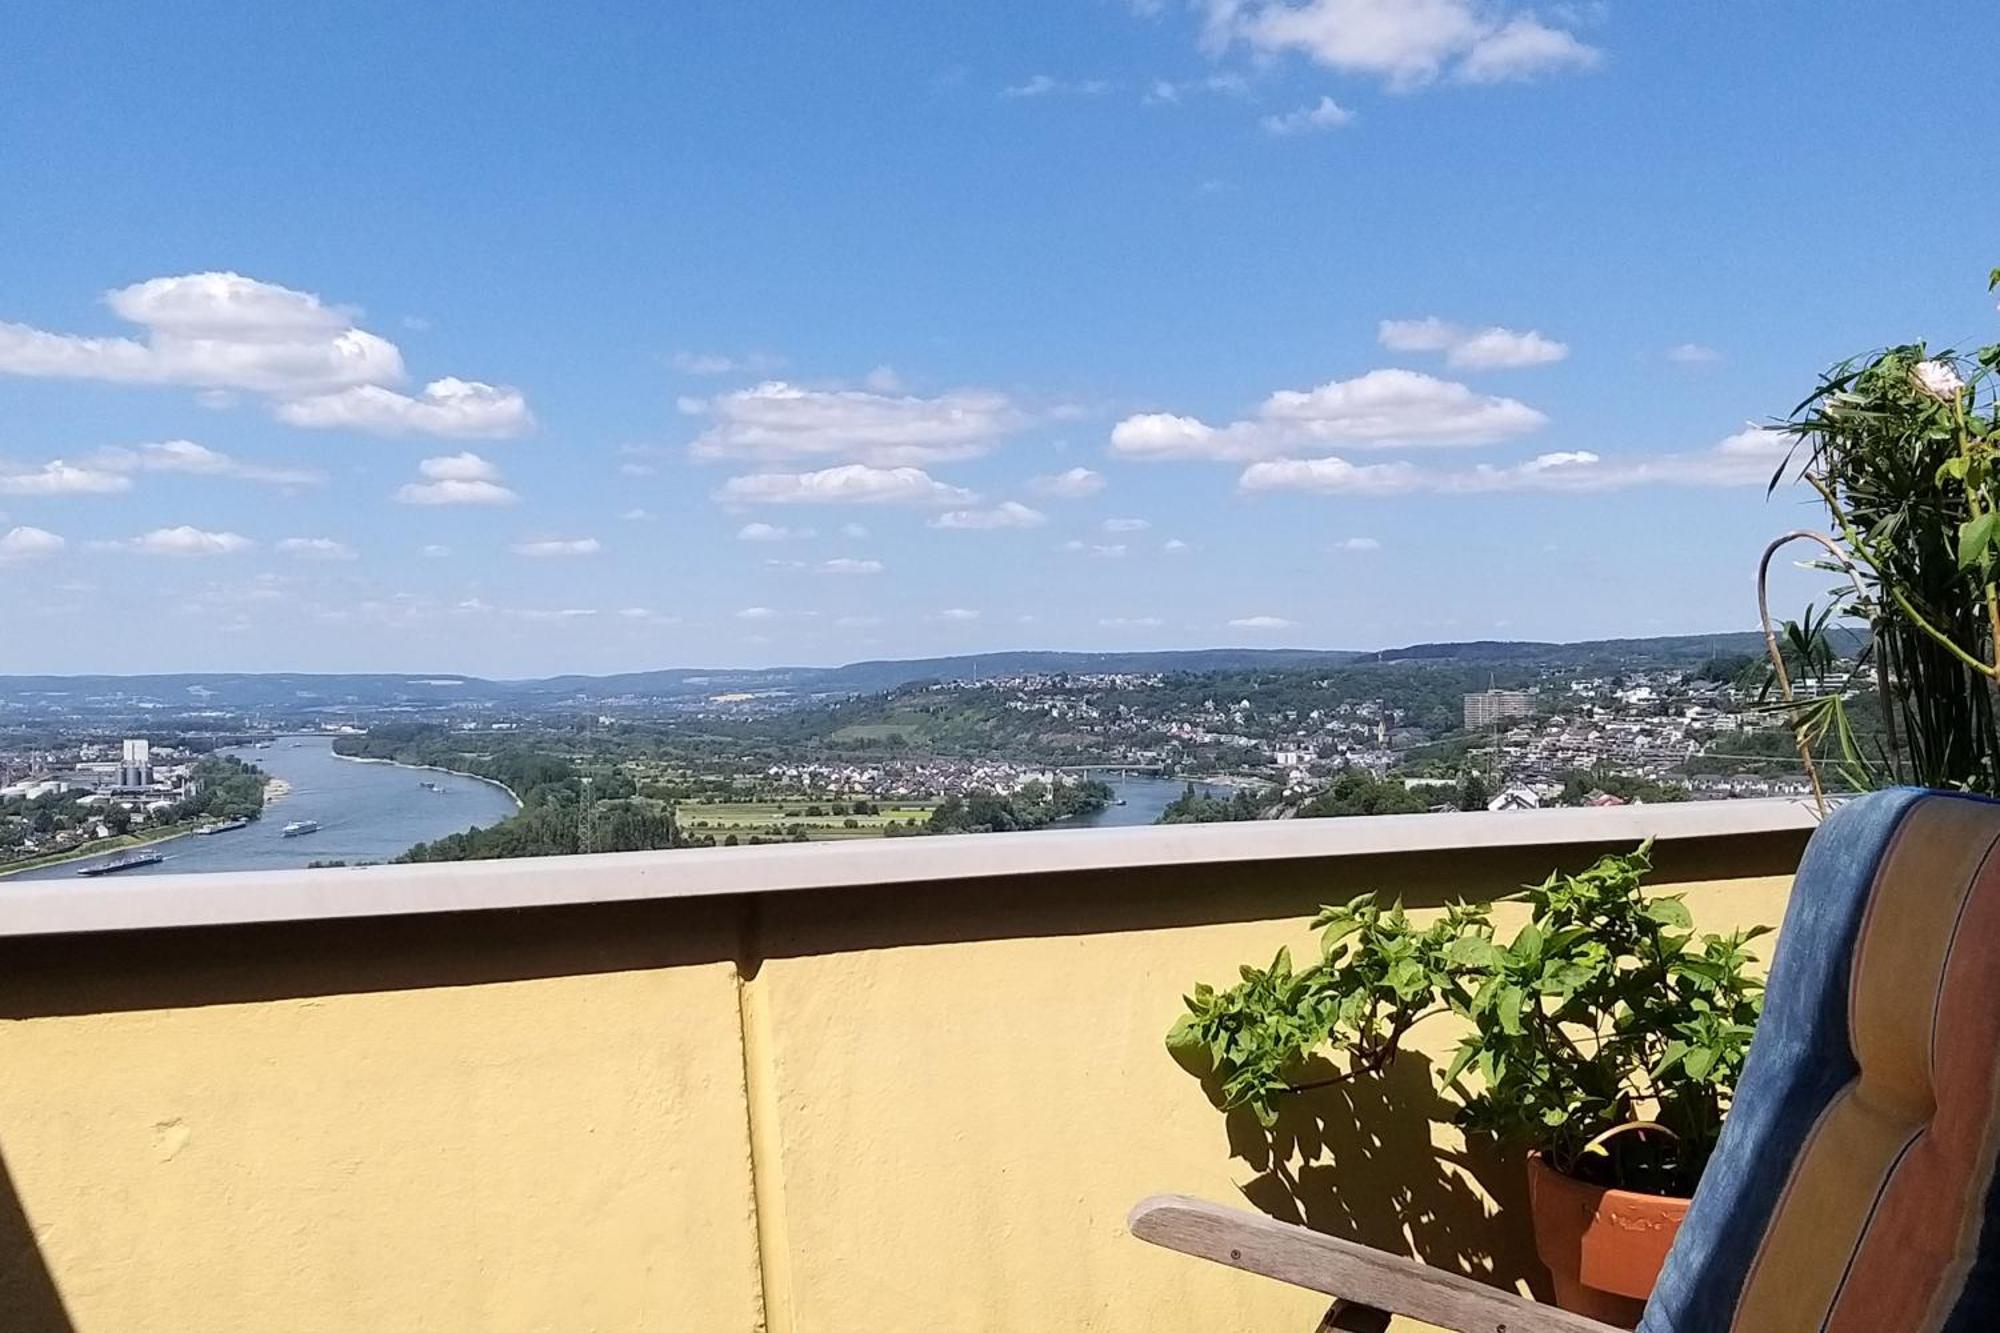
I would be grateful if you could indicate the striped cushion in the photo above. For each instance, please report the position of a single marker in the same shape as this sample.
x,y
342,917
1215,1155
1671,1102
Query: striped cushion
x,y
1855,1177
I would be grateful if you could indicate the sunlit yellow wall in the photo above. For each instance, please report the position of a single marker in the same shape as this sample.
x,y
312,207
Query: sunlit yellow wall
x,y
954,1094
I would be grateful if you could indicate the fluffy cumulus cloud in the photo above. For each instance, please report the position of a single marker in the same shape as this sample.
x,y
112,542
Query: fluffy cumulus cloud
x,y
22,544
851,483
1747,458
776,422
456,479
847,566
226,332
60,478
315,548
1007,514
1262,623
1077,483
451,408
1381,409
1472,349
1325,114
1405,43
549,548
184,540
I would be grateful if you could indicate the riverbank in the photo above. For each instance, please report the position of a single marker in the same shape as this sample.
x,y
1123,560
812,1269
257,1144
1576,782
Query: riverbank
x,y
276,790
124,842
430,768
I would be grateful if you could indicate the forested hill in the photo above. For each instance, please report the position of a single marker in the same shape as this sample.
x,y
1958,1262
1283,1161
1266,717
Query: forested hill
x,y
303,693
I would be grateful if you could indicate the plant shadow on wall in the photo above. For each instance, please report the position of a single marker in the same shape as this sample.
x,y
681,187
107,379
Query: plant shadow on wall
x,y
1605,1012
1902,447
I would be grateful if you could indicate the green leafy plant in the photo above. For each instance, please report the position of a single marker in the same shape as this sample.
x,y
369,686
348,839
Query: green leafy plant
x,y
1606,1010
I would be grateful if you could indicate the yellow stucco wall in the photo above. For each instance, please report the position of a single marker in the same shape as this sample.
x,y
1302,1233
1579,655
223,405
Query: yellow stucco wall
x,y
954,1094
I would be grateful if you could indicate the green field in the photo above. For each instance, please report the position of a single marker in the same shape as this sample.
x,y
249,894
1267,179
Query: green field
x,y
776,819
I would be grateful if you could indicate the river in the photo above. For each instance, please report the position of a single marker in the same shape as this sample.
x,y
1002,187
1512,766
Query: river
x,y
367,812
374,812
1138,800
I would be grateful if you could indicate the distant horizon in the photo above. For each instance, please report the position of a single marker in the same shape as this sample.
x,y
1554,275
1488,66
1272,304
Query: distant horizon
x,y
416,674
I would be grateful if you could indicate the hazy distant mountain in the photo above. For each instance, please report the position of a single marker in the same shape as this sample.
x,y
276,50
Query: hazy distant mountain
x,y
303,692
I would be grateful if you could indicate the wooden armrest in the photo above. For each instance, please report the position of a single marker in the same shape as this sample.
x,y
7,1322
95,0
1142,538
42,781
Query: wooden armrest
x,y
1355,1274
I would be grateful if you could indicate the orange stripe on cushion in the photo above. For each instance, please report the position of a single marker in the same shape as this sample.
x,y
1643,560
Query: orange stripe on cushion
x,y
1925,1232
1846,1164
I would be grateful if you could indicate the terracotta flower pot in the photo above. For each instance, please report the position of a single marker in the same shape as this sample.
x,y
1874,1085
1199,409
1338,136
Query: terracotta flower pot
x,y
1603,1247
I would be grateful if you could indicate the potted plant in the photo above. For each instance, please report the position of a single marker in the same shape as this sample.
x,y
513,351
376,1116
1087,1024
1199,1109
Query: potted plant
x,y
1902,448
1602,1042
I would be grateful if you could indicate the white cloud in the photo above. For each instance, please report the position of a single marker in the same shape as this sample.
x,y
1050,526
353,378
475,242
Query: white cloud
x,y
637,516
1131,622
1044,85
1078,483
780,422
59,478
456,479
557,547
853,483
25,543
957,614
1406,43
464,466
646,615
1112,551
315,548
1325,114
854,532
451,408
1523,48
757,613
1381,409
434,552
1357,544
185,456
1747,458
1262,622
1477,349
845,565
183,540
1170,92
1175,546
454,493
883,379
1693,354
721,363
214,331
1125,525
770,532
1332,476
1007,514
223,332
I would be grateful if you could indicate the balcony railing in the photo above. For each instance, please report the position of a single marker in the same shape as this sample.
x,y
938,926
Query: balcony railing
x,y
909,1084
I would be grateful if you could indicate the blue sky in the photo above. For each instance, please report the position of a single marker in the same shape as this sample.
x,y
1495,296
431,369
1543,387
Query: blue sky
x,y
518,340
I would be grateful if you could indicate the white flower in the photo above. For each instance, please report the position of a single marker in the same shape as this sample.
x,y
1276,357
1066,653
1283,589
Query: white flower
x,y
1938,379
